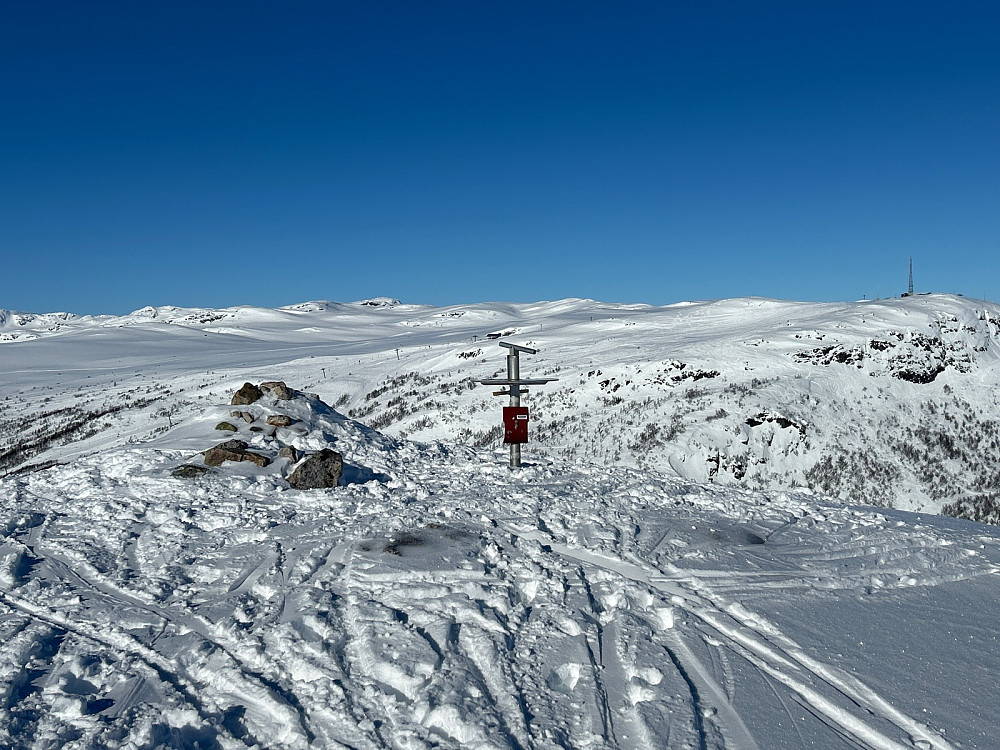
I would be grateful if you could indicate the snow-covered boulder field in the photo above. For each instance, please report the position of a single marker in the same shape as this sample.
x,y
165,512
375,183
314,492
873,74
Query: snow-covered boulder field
x,y
436,599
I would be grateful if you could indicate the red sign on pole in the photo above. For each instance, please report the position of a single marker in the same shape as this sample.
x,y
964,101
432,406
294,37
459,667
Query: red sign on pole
x,y
515,424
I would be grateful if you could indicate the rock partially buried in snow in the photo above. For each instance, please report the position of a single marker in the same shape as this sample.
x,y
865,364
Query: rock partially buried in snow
x,y
228,426
246,395
289,452
278,389
233,450
189,471
279,420
320,471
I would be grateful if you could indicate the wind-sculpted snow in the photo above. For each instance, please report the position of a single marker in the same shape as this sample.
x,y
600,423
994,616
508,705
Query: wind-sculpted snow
x,y
450,603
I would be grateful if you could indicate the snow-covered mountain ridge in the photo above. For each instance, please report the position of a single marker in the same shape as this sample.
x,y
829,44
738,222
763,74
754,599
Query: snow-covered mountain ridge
x,y
889,402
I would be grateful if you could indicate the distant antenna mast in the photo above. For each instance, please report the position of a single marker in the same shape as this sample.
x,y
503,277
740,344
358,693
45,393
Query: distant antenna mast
x,y
910,290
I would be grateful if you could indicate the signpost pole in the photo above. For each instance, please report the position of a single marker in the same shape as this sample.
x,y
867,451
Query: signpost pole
x,y
516,432
513,374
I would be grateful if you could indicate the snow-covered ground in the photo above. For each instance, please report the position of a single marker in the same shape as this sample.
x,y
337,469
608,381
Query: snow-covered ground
x,y
437,599
892,403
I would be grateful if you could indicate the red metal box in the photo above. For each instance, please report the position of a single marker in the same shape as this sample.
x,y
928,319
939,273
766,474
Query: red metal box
x,y
515,424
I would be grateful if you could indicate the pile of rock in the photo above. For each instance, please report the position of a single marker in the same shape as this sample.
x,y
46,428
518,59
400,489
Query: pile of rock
x,y
250,394
321,469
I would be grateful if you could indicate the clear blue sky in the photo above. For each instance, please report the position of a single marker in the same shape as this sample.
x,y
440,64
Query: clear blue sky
x,y
220,153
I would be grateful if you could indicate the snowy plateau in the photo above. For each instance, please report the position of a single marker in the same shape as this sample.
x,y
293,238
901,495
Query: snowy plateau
x,y
735,528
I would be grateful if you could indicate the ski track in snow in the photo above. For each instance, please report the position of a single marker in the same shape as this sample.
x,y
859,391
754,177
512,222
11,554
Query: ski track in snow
x,y
766,647
397,615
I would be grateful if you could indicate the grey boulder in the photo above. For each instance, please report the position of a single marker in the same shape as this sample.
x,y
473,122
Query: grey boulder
x,y
320,471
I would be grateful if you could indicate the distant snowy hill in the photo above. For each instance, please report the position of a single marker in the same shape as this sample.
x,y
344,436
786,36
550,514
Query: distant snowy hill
x,y
16,326
890,402
650,579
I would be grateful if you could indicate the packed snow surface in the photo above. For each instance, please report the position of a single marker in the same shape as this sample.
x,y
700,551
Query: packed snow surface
x,y
437,599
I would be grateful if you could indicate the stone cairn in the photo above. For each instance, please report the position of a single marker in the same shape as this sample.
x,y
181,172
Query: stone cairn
x,y
319,470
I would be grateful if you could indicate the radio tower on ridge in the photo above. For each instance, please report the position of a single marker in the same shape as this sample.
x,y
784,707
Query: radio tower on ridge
x,y
910,290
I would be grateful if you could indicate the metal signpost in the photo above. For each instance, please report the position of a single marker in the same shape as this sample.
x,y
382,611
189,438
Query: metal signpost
x,y
515,416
